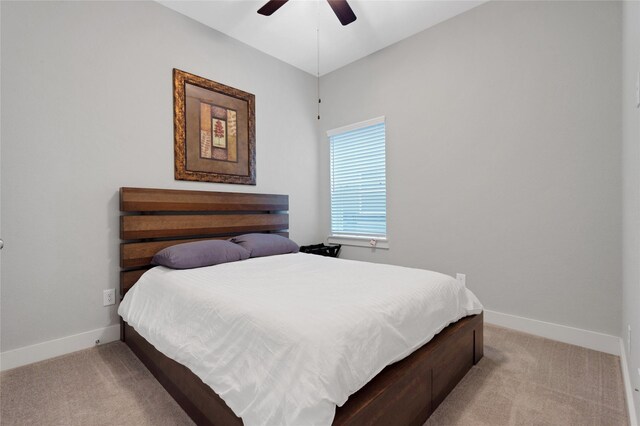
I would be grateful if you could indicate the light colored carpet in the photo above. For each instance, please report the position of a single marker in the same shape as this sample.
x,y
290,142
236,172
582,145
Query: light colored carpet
x,y
528,380
105,385
522,380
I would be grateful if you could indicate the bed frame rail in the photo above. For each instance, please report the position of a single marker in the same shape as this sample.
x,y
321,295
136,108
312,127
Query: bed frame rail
x,y
404,393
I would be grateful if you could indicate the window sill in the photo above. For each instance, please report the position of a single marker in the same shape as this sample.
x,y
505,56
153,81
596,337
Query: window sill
x,y
381,243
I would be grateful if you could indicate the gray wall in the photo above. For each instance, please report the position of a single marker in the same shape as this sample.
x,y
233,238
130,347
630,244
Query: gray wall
x,y
87,108
503,132
503,154
631,191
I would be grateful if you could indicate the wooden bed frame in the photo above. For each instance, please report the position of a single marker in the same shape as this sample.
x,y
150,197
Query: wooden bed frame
x,y
404,393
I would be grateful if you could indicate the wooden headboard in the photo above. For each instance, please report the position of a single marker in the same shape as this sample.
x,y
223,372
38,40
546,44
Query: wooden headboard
x,y
153,219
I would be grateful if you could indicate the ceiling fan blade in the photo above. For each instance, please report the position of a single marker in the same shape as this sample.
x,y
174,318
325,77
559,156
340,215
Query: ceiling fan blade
x,y
271,6
343,11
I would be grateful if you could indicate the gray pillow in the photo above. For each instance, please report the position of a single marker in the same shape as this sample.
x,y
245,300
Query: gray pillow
x,y
265,244
198,254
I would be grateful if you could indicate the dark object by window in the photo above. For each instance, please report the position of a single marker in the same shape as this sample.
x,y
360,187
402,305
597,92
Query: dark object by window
x,y
331,251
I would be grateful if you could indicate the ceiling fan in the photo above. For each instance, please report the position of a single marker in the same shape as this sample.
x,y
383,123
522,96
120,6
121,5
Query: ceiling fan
x,y
340,7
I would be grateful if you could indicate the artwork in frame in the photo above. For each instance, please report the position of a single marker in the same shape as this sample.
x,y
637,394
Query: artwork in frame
x,y
214,129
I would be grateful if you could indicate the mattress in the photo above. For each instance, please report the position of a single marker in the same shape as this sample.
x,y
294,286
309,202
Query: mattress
x,y
285,339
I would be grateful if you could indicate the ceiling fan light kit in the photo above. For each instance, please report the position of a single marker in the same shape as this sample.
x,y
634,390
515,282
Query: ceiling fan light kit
x,y
340,7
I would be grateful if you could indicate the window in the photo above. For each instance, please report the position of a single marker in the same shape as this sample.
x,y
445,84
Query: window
x,y
358,184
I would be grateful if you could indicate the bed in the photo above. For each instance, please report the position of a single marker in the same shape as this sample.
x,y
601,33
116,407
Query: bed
x,y
405,392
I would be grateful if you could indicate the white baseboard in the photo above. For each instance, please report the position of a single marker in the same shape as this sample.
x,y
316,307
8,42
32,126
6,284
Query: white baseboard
x,y
562,333
53,348
628,387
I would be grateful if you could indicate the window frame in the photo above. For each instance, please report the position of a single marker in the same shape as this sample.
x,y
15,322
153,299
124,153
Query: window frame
x,y
359,240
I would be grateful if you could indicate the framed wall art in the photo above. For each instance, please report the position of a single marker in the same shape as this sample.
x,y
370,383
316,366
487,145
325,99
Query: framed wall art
x,y
214,130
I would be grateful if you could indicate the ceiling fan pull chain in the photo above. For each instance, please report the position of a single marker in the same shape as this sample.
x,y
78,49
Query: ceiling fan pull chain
x,y
318,50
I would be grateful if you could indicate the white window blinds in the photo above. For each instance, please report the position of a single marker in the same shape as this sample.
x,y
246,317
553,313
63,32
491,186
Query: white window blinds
x,y
358,180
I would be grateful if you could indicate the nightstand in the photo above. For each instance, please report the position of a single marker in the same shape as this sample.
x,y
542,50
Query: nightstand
x,y
332,250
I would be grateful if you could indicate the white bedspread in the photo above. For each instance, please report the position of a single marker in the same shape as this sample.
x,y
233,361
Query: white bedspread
x,y
285,339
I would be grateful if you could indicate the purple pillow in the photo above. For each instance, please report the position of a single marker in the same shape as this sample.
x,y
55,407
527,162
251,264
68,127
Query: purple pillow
x,y
265,244
198,254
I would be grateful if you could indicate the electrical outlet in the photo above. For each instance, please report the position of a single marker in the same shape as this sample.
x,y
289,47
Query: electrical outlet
x,y
462,278
109,297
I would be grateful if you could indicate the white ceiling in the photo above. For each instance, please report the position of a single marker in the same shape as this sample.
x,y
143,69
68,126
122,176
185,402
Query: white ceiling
x,y
290,33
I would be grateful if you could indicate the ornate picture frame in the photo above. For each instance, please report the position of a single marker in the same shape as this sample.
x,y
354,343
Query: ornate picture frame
x,y
214,131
